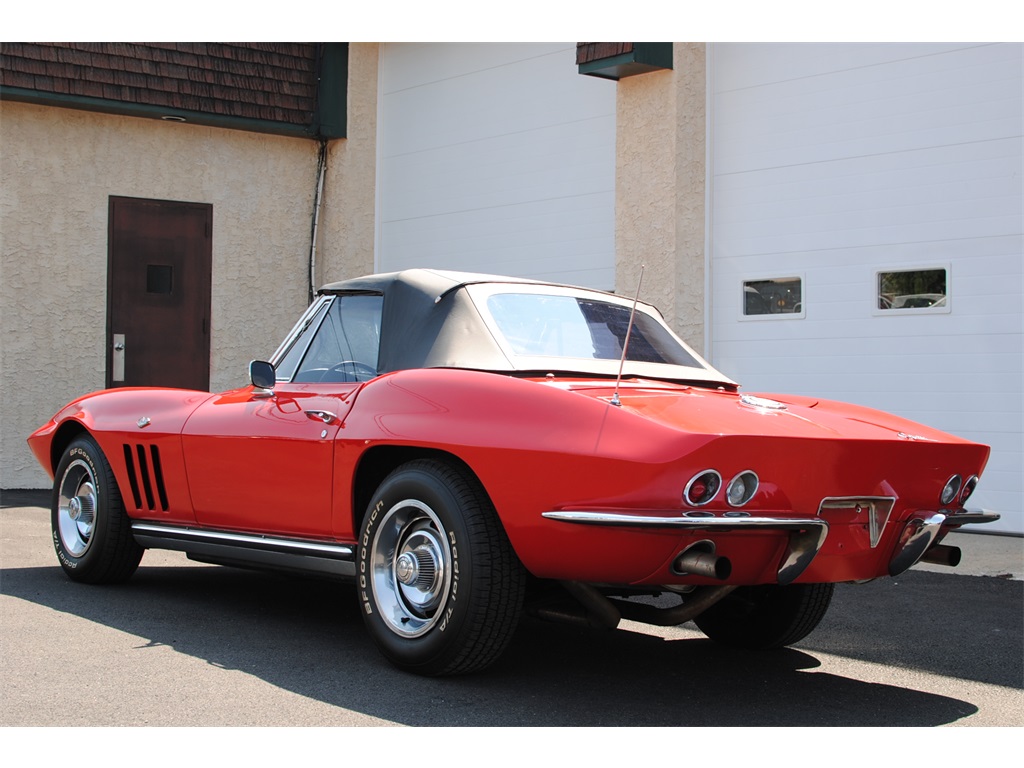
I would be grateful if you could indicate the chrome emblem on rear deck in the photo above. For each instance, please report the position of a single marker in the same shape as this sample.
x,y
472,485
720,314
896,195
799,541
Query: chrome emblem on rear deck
x,y
762,402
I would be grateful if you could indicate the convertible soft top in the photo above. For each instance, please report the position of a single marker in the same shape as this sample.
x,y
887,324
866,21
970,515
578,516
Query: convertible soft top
x,y
428,322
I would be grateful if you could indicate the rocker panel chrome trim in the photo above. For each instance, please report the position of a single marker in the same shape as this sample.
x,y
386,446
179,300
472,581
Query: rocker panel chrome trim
x,y
243,548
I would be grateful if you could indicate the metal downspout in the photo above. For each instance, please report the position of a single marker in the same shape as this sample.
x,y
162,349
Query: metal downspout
x,y
321,170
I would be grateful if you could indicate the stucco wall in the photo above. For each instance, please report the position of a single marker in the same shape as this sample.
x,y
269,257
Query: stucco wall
x,y
659,189
345,244
59,167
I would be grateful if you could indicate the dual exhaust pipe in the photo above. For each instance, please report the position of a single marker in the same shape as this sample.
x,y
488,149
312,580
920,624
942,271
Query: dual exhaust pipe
x,y
699,559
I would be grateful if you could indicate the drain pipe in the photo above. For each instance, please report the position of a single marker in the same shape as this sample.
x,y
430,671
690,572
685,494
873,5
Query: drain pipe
x,y
321,169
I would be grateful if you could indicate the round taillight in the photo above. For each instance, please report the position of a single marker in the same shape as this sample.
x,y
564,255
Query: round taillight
x,y
950,490
741,489
702,488
969,486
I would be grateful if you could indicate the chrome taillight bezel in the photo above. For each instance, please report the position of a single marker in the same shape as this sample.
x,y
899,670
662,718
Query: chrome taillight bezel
x,y
712,481
950,490
968,489
750,481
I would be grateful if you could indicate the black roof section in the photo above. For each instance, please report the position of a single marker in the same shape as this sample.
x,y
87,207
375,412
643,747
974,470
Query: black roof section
x,y
428,322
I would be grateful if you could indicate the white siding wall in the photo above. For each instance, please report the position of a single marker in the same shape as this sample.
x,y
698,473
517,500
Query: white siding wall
x,y
835,161
496,158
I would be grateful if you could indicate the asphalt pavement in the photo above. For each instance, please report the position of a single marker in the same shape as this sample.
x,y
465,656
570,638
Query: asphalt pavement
x,y
185,644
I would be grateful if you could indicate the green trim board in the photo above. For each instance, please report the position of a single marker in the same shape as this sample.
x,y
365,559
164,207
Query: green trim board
x,y
645,57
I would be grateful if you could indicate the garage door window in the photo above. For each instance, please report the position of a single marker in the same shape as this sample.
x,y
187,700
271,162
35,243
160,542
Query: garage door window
x,y
913,291
775,297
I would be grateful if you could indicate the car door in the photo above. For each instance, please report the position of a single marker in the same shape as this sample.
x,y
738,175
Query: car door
x,y
263,460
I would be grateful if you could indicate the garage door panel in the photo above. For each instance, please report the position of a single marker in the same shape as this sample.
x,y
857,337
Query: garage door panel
x,y
524,94
832,163
759,64
496,159
955,98
545,164
413,65
530,239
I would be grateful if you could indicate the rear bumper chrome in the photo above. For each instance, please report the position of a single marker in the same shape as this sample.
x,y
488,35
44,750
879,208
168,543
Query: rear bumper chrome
x,y
806,535
925,530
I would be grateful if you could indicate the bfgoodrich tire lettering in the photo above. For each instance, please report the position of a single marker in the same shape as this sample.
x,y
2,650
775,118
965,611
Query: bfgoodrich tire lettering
x,y
768,616
440,587
91,531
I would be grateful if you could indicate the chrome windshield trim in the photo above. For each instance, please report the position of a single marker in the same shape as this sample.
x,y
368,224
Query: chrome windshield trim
x,y
299,328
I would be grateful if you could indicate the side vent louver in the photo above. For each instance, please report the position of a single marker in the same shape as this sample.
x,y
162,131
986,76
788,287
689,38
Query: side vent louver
x,y
145,473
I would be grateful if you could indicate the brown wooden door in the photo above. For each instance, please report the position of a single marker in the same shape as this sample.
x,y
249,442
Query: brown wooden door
x,y
158,293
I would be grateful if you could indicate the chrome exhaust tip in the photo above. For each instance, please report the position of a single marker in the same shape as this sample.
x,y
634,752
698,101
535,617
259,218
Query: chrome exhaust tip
x,y
699,559
942,554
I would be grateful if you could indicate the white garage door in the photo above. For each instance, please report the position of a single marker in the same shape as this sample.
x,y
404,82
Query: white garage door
x,y
866,237
496,158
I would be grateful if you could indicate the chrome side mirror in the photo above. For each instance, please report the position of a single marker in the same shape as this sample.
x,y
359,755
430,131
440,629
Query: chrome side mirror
x,y
263,377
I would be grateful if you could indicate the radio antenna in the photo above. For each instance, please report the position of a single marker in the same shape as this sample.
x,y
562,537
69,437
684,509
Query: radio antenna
x,y
625,342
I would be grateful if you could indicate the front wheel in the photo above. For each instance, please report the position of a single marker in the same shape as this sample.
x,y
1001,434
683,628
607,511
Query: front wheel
x,y
91,531
440,587
768,616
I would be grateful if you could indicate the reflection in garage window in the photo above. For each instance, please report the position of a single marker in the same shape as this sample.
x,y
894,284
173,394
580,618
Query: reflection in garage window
x,y
774,296
913,289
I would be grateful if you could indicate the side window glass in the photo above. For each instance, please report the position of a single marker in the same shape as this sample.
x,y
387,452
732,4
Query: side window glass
x,y
347,343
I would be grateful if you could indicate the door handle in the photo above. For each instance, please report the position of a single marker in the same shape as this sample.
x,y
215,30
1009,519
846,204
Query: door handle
x,y
117,359
325,416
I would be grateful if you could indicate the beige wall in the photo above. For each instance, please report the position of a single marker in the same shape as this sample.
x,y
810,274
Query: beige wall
x,y
659,189
59,167
345,246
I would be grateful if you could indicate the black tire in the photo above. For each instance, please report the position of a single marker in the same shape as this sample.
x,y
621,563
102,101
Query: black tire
x,y
440,587
91,531
769,616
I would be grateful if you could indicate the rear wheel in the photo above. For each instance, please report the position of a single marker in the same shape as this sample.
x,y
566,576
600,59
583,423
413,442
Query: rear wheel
x,y
91,531
440,587
768,616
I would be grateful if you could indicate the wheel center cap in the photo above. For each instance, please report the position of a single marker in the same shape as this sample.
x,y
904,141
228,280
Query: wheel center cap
x,y
406,568
75,508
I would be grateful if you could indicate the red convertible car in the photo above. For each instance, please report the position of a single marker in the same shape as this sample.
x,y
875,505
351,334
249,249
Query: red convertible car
x,y
468,447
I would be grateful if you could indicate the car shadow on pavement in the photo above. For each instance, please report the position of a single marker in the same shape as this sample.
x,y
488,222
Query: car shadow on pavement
x,y
306,636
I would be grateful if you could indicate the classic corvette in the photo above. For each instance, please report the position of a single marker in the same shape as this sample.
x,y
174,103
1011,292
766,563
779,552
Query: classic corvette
x,y
467,447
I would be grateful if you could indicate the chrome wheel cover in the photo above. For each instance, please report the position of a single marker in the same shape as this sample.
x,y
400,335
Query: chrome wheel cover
x,y
411,568
76,508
